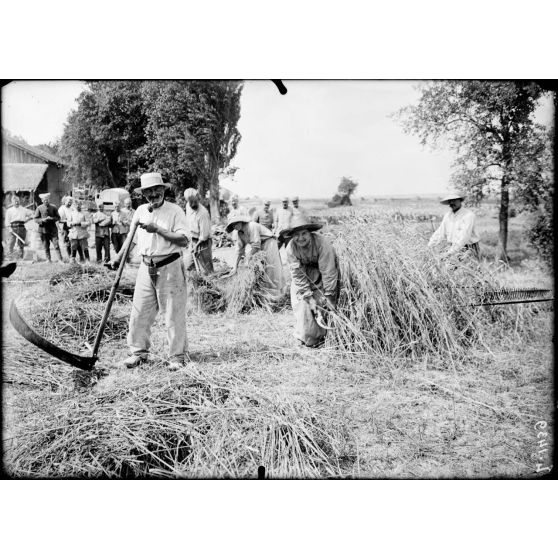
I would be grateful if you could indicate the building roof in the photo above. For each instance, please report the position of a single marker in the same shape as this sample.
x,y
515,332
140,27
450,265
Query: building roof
x,y
22,176
47,157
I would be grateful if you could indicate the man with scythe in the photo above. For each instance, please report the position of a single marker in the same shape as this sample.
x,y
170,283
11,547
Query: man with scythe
x,y
161,279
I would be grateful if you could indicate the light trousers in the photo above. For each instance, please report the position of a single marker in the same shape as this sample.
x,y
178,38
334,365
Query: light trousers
x,y
166,293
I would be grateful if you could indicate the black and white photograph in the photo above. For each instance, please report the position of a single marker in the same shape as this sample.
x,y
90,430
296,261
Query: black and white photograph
x,y
277,279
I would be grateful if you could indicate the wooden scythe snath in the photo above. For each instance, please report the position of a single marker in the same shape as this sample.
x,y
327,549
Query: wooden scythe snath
x,y
79,361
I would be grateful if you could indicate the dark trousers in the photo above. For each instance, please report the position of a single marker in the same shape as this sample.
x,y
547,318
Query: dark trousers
x,y
100,243
21,231
118,241
46,238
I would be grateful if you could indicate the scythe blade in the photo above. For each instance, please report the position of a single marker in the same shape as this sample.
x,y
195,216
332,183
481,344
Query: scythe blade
x,y
23,328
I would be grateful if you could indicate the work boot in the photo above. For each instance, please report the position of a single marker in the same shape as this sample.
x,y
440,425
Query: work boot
x,y
135,360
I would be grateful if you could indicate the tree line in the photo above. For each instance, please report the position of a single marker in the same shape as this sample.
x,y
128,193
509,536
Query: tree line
x,y
187,130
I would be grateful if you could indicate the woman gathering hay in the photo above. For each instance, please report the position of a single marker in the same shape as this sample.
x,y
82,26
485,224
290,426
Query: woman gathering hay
x,y
315,274
261,239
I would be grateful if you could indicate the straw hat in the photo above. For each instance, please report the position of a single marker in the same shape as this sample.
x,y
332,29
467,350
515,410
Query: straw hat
x,y
452,195
299,223
295,198
236,218
44,197
150,180
285,199
267,202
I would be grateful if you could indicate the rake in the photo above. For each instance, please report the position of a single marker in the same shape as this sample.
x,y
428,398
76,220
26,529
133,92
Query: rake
x,y
513,296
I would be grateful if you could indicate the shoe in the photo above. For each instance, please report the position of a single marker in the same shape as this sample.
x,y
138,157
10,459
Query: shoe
x,y
135,360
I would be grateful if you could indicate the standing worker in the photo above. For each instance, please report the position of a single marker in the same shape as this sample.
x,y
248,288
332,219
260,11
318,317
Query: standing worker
x,y
282,222
264,216
161,279
16,217
46,216
78,225
457,228
102,223
259,238
236,208
315,274
64,211
121,220
297,210
199,232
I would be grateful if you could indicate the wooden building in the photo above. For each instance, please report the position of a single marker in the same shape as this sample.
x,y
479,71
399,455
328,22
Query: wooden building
x,y
29,172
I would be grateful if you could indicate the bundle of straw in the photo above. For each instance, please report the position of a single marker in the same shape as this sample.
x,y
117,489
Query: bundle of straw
x,y
181,424
397,298
247,290
74,273
241,293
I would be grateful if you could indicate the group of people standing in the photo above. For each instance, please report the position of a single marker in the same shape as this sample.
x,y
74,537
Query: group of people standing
x,y
69,226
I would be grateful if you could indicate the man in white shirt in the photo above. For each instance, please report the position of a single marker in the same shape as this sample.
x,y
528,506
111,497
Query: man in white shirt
x,y
457,228
161,280
65,211
297,210
16,217
282,222
199,232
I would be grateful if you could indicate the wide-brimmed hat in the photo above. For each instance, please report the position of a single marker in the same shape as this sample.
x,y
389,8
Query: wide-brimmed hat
x,y
295,198
150,180
285,199
44,196
236,218
452,195
299,223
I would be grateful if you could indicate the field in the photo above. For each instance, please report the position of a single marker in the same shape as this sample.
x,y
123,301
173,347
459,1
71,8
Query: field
x,y
252,396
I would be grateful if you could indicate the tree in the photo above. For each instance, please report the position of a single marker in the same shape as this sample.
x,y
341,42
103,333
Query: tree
x,y
187,130
102,139
344,192
490,126
213,117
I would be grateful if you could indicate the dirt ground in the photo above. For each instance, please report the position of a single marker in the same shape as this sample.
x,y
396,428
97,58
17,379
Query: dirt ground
x,y
474,419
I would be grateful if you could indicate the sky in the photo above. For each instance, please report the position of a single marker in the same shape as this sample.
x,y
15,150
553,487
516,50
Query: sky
x,y
301,143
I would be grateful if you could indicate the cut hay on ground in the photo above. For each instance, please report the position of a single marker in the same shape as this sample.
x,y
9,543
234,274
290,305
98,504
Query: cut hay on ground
x,y
183,424
398,299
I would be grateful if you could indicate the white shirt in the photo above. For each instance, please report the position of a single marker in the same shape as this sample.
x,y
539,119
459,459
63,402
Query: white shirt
x,y
170,217
282,219
199,222
65,213
17,214
456,228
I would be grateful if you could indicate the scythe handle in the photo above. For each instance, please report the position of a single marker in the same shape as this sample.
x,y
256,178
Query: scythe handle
x,y
110,300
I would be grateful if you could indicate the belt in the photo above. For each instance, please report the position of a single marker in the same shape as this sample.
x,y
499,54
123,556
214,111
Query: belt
x,y
148,260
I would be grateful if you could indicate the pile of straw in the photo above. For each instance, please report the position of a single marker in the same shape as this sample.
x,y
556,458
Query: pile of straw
x,y
75,273
183,424
398,299
73,325
241,293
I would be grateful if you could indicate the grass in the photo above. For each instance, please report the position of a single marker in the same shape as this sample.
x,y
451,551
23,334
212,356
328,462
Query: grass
x,y
252,396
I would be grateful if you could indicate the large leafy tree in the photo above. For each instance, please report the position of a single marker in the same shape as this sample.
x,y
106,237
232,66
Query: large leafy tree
x,y
490,125
214,111
187,130
102,138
